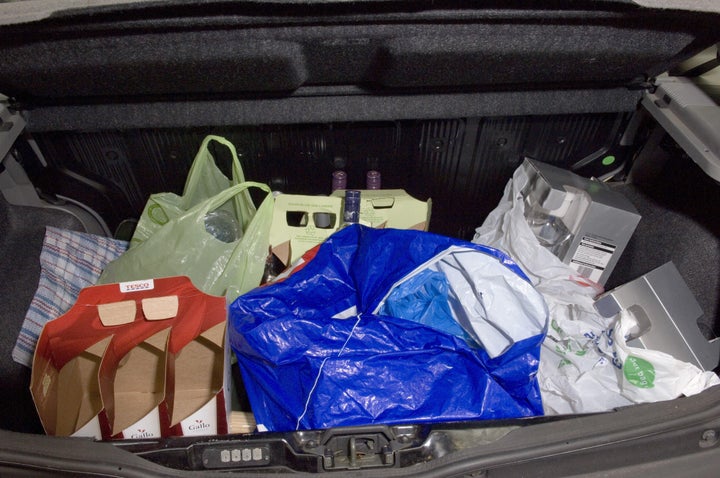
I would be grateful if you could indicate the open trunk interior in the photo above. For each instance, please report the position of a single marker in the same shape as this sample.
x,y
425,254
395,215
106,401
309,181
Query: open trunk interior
x,y
105,104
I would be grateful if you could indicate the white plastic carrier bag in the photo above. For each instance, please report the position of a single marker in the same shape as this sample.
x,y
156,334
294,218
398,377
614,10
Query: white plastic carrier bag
x,y
586,364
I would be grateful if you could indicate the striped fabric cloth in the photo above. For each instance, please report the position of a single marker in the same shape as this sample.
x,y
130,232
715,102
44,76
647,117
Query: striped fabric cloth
x,y
69,261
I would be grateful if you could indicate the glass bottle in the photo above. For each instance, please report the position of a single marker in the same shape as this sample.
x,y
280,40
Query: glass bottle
x,y
351,208
273,267
339,180
223,225
373,180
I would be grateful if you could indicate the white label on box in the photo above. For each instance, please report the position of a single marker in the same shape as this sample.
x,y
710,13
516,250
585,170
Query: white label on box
x,y
90,429
202,422
147,427
592,257
137,285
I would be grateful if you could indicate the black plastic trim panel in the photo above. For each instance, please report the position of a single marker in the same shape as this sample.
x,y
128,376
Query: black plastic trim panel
x,y
661,438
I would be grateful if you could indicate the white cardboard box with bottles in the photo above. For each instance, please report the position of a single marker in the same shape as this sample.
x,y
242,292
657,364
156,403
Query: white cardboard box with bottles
x,y
301,222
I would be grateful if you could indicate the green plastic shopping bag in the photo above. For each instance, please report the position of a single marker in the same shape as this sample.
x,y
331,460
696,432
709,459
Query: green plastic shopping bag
x,y
185,246
204,181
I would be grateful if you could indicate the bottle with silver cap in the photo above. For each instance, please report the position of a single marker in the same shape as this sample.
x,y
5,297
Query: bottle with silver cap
x,y
351,208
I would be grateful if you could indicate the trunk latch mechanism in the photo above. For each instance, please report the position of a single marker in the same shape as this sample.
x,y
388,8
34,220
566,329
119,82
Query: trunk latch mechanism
x,y
342,449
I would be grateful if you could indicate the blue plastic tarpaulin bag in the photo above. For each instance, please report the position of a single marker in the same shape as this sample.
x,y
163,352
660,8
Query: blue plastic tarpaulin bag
x,y
391,326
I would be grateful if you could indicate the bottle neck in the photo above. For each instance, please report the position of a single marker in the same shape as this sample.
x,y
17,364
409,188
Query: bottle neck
x,y
351,209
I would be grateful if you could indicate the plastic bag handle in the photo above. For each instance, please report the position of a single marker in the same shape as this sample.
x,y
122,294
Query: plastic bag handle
x,y
229,193
201,158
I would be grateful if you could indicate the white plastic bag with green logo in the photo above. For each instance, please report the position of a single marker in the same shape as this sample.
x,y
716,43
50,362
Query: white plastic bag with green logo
x,y
204,181
585,364
651,375
186,246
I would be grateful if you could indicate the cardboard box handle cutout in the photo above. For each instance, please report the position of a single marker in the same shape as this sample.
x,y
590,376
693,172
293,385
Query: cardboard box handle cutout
x,y
154,308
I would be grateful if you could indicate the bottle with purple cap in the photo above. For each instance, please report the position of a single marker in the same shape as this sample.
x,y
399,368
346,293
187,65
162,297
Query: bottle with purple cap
x,y
339,180
373,180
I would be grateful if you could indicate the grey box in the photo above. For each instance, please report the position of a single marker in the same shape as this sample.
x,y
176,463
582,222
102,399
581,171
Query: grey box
x,y
582,221
667,314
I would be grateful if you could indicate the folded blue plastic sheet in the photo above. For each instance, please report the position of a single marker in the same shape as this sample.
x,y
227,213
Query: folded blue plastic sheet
x,y
424,298
317,351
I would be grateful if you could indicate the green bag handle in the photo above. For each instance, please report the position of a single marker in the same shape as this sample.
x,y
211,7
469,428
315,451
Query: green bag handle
x,y
243,204
228,194
203,155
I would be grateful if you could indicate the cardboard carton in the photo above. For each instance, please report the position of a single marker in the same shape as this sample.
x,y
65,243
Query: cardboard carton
x,y
197,392
381,208
667,314
106,369
302,222
585,223
134,392
65,387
